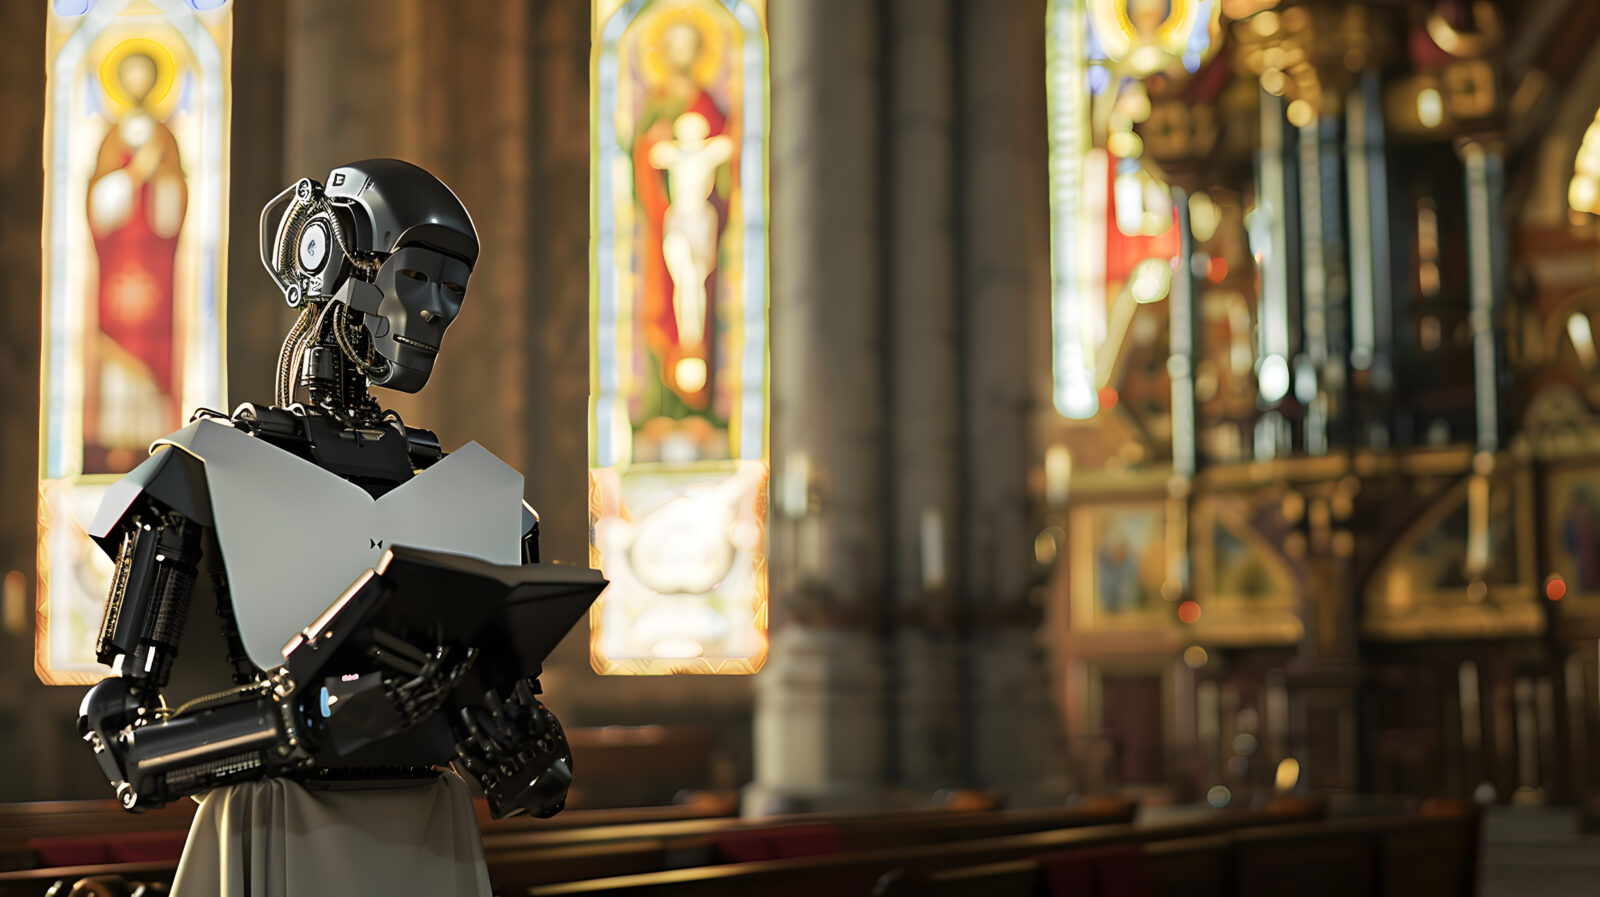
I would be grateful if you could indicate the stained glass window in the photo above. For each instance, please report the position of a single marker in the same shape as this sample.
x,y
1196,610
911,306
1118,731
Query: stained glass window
x,y
1113,240
136,162
679,399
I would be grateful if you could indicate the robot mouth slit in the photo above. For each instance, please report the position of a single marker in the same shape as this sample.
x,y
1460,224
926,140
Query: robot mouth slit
x,y
416,344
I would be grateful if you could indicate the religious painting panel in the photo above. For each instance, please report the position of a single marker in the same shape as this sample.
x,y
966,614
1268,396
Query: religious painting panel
x,y
679,397
1465,568
1120,566
1246,589
136,171
1572,538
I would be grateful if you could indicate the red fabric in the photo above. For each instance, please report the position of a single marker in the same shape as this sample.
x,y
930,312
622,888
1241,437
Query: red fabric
x,y
779,843
1124,253
1209,82
1069,873
1121,872
1116,871
94,850
135,290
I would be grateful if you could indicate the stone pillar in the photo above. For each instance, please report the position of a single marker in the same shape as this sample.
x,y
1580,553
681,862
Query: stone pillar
x,y
820,731
257,315
554,346
923,463
1014,732
446,87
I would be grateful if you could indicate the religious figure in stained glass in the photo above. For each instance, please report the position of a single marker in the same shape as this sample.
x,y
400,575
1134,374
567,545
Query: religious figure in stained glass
x,y
679,455
136,162
136,203
683,173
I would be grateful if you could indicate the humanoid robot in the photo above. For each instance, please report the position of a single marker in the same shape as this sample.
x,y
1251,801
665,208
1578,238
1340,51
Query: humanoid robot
x,y
307,519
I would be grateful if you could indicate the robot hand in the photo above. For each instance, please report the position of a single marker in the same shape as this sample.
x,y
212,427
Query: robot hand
x,y
352,710
516,752
106,719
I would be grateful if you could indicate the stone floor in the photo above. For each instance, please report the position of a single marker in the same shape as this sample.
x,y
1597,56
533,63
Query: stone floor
x,y
1529,852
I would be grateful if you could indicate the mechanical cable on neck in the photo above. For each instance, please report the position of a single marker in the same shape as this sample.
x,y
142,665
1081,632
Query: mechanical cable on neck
x,y
341,332
283,392
302,337
307,337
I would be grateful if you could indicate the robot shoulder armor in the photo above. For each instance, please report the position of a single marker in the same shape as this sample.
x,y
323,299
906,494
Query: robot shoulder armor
x,y
172,478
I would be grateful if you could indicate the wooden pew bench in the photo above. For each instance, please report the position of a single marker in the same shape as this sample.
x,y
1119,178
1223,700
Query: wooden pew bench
x,y
857,871
517,864
586,844
67,840
1406,856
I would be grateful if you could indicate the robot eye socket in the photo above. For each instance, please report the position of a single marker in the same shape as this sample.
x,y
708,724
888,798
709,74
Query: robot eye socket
x,y
456,288
414,275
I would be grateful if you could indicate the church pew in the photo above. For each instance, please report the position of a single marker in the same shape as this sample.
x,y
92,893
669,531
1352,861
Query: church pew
x,y
857,871
22,822
50,840
733,837
1415,856
532,862
35,882
677,753
580,851
1409,856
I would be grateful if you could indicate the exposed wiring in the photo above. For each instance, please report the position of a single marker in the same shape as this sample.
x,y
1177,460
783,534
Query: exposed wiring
x,y
214,697
284,387
341,331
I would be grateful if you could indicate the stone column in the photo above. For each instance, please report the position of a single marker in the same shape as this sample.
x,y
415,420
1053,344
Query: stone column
x,y
924,457
820,732
1013,730
554,346
446,87
257,315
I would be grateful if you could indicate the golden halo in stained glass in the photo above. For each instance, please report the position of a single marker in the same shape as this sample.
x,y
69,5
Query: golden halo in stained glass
x,y
161,97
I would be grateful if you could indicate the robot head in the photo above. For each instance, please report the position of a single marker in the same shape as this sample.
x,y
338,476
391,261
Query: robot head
x,y
389,241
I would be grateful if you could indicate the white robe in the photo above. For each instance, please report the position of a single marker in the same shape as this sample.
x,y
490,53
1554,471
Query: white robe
x,y
274,838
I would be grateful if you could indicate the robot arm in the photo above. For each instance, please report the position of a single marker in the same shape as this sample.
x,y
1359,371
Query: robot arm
x,y
150,754
151,760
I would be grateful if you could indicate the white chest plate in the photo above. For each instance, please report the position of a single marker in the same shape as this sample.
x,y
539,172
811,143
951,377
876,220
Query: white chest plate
x,y
294,536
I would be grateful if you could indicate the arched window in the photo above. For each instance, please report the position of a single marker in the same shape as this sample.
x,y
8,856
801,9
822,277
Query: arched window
x,y
136,164
679,399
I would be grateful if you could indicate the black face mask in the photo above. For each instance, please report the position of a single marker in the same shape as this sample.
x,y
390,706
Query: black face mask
x,y
422,292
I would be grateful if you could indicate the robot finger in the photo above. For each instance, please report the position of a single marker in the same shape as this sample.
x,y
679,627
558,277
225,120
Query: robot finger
x,y
475,736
